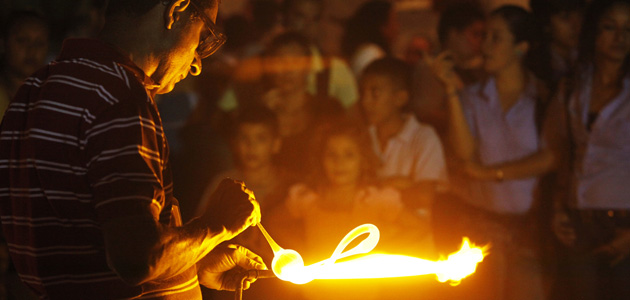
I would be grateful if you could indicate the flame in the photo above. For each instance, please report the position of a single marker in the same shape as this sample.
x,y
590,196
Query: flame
x,y
456,267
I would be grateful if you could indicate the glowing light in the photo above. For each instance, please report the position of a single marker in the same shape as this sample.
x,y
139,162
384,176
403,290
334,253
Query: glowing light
x,y
456,267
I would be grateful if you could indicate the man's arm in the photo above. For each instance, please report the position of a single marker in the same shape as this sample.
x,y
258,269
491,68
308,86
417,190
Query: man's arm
x,y
141,249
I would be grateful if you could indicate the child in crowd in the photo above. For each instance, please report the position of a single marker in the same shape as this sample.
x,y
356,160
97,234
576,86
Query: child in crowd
x,y
340,196
410,152
255,141
287,67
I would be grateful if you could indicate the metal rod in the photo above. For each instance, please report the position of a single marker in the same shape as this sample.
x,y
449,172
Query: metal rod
x,y
251,274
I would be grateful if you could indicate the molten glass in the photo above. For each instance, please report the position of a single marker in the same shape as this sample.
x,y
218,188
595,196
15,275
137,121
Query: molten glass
x,y
289,266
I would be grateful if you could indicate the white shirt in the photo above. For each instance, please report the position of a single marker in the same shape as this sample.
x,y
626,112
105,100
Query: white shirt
x,y
415,152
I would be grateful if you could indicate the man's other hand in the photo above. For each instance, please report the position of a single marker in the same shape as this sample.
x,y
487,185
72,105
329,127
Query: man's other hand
x,y
221,269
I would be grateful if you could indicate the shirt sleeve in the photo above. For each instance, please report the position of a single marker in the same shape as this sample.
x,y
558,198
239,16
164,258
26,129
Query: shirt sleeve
x,y
343,85
467,98
430,163
125,161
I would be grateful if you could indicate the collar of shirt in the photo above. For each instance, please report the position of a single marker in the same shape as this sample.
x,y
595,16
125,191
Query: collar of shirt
x,y
100,51
490,93
404,136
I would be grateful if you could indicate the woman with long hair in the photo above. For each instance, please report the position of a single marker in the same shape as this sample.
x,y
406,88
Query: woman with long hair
x,y
594,220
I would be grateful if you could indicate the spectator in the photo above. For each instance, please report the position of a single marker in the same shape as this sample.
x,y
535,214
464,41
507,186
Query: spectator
x,y
329,76
287,65
255,143
410,152
561,21
340,195
369,34
592,221
25,38
497,132
460,32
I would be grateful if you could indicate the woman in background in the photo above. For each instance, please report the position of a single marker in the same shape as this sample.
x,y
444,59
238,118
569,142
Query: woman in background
x,y
594,220
495,128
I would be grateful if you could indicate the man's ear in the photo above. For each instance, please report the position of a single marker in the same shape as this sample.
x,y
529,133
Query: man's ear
x,y
173,11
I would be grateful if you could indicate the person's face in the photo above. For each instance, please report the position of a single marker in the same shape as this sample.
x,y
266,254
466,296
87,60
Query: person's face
x,y
288,67
498,48
26,48
180,56
342,160
304,17
381,100
613,38
565,29
466,43
255,145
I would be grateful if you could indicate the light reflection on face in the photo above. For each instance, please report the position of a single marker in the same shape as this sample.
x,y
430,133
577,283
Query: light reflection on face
x,y
342,160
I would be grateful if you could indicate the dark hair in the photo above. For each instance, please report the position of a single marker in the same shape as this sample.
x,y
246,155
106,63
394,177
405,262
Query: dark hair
x,y
520,22
265,14
141,7
545,9
396,70
522,25
18,17
348,128
590,31
255,114
458,17
365,26
287,5
289,38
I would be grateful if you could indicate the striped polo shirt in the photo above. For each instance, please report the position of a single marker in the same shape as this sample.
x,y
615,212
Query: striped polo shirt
x,y
80,144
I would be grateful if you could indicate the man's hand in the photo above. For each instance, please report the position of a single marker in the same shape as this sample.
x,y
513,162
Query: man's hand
x,y
222,267
233,207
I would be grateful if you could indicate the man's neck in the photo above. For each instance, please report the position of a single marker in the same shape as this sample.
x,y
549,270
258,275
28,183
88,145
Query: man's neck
x,y
389,128
133,38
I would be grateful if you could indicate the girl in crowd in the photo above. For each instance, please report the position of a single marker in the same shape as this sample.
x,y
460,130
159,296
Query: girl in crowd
x,y
495,130
597,113
340,196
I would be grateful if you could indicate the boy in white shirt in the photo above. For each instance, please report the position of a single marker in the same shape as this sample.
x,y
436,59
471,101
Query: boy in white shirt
x,y
411,152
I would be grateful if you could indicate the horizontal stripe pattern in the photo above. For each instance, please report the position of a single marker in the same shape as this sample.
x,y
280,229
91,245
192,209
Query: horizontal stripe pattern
x,y
80,145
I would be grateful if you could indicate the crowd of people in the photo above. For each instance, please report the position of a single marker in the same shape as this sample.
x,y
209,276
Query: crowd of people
x,y
514,131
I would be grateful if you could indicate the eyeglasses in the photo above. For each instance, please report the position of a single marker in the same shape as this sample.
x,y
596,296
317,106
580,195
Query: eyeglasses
x,y
214,40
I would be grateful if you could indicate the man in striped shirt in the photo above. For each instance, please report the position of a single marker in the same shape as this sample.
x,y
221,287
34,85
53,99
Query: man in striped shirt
x,y
86,198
